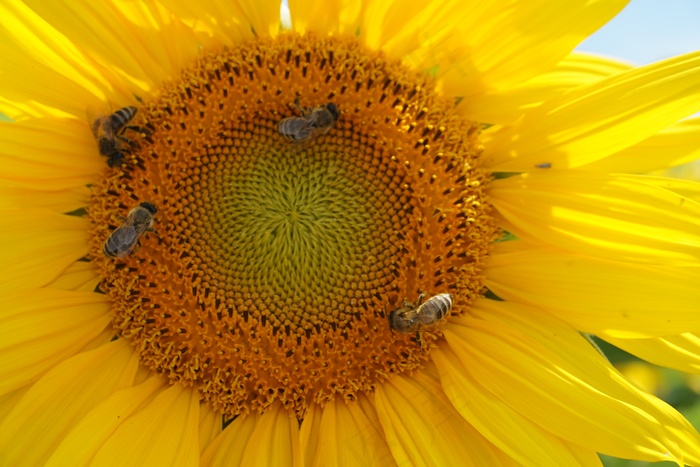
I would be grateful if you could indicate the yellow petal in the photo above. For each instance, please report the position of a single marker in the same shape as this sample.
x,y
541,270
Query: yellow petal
x,y
268,439
29,87
80,276
423,428
33,45
318,15
548,372
228,447
39,244
686,188
399,29
210,426
168,40
9,401
309,433
275,440
513,433
599,296
49,154
42,327
61,398
165,432
264,16
606,216
13,197
592,122
145,44
498,45
674,145
222,21
681,352
328,17
105,337
577,69
342,434
233,21
16,111
86,437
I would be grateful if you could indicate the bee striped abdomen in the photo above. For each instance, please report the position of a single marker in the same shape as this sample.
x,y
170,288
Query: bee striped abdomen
x,y
411,317
109,133
434,309
122,116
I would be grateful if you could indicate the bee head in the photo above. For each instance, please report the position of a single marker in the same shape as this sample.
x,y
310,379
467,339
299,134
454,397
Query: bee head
x,y
398,321
149,206
333,109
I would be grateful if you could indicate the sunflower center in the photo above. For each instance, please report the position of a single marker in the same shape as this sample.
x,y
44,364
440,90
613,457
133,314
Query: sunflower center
x,y
275,263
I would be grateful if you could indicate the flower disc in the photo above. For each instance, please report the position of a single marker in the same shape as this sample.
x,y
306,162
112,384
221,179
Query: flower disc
x,y
275,263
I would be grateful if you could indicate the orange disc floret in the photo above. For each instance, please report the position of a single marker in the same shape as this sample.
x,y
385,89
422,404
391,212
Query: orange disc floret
x,y
274,264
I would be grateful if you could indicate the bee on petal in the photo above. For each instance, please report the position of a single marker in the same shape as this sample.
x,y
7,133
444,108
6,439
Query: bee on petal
x,y
109,133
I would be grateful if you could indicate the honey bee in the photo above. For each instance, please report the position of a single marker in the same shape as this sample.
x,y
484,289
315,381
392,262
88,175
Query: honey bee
x,y
420,316
125,239
109,133
314,121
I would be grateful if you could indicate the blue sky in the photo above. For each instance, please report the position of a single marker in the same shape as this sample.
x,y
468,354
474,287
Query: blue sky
x,y
649,30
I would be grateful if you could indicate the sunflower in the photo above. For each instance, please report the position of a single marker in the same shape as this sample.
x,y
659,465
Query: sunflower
x,y
384,234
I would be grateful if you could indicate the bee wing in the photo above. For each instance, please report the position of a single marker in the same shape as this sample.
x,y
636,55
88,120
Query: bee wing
x,y
314,117
320,122
296,127
96,116
140,228
121,242
315,124
316,130
126,237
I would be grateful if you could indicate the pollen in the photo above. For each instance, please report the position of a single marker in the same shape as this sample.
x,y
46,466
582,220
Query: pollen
x,y
273,264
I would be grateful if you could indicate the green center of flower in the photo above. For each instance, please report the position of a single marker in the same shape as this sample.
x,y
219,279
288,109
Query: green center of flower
x,y
275,263
297,227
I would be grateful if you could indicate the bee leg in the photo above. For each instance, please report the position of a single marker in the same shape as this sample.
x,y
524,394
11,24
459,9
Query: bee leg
x,y
138,129
116,159
303,111
302,135
421,297
419,341
151,229
126,140
137,247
